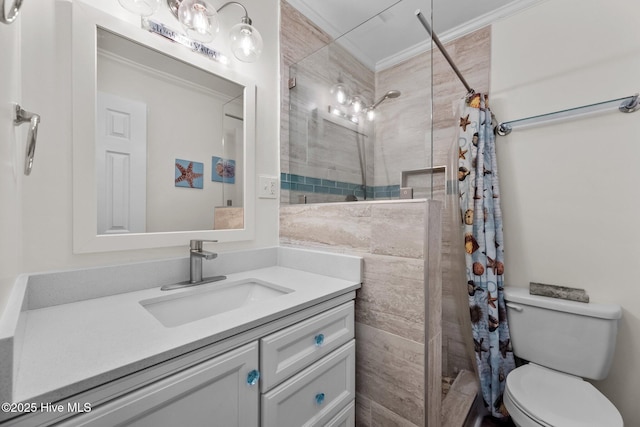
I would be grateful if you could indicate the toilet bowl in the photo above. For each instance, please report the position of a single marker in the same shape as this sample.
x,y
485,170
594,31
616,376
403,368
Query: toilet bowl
x,y
536,396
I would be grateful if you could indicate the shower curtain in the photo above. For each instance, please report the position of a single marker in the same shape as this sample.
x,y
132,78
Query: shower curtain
x,y
484,251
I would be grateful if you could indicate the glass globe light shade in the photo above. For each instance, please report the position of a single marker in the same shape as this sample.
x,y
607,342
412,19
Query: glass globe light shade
x,y
199,19
246,42
140,7
357,104
341,93
371,114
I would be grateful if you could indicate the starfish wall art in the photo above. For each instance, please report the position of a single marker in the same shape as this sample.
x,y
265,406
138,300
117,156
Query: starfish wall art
x,y
189,174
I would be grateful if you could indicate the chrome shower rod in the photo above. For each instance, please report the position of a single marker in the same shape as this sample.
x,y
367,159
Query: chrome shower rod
x,y
436,40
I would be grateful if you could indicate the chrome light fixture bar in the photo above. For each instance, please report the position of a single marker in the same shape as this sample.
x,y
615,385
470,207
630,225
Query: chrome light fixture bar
x,y
627,104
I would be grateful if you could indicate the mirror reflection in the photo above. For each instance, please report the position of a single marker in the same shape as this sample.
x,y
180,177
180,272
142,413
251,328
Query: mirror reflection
x,y
169,143
358,118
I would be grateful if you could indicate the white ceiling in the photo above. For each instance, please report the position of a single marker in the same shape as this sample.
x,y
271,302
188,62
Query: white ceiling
x,y
382,33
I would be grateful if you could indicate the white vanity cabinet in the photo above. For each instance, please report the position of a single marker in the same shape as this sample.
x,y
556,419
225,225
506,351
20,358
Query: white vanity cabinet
x,y
221,392
296,371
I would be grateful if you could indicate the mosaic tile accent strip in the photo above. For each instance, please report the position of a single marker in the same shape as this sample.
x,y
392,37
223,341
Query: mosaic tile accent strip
x,y
293,182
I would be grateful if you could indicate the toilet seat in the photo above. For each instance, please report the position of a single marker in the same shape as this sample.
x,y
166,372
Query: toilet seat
x,y
554,399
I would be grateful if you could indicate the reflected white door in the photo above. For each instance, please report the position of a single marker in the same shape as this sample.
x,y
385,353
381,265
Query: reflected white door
x,y
233,149
121,165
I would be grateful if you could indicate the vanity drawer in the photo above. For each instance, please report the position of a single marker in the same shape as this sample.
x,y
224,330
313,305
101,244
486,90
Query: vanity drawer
x,y
315,396
292,349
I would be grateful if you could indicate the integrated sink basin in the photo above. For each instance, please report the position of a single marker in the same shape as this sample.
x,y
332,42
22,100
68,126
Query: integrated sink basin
x,y
209,300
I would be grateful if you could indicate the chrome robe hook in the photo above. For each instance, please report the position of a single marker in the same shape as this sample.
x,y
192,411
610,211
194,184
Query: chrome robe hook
x,y
9,15
22,116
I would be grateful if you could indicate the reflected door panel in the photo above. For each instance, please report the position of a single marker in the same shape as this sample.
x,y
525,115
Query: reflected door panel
x,y
121,164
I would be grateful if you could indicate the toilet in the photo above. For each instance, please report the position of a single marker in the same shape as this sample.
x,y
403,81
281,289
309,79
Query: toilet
x,y
564,342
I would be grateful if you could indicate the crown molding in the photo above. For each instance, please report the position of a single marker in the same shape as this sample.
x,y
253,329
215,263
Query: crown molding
x,y
457,32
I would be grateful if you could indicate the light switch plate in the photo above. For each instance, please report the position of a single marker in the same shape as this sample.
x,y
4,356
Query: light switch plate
x,y
267,187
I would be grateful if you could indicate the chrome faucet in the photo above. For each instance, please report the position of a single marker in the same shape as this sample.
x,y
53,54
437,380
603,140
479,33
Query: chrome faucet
x,y
196,255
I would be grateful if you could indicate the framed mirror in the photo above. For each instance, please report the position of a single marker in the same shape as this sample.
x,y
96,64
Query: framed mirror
x,y
163,140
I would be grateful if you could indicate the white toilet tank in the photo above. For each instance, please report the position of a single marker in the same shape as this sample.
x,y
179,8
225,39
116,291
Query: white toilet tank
x,y
568,336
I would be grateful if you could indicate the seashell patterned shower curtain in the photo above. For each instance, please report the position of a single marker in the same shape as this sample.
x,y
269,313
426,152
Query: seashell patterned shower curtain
x,y
484,251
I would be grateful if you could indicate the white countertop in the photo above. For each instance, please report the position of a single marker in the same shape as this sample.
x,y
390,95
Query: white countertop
x,y
71,347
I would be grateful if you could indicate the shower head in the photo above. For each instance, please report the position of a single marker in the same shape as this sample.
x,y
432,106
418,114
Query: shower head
x,y
390,94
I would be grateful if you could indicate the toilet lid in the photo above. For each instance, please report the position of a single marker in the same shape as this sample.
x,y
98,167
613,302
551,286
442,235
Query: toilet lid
x,y
560,400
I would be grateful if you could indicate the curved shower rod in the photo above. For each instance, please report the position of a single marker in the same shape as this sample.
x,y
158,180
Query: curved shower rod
x,y
436,40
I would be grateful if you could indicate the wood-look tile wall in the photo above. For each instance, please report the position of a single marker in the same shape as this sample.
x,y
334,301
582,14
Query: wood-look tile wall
x,y
393,238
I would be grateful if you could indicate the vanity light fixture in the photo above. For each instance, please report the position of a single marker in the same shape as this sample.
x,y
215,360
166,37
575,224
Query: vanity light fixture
x,y
343,104
357,104
340,92
338,112
370,113
200,20
352,107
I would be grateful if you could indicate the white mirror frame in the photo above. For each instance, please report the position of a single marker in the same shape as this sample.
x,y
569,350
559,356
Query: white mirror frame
x,y
85,20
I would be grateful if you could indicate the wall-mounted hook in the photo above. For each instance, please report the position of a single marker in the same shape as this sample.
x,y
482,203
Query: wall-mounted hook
x,y
9,15
22,116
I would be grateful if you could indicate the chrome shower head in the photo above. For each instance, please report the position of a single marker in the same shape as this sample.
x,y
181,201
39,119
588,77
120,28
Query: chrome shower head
x,y
390,94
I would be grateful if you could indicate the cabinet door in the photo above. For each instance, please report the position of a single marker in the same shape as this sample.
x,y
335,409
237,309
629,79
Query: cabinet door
x,y
217,393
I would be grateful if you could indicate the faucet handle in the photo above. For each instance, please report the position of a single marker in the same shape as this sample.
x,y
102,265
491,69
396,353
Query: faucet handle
x,y
196,245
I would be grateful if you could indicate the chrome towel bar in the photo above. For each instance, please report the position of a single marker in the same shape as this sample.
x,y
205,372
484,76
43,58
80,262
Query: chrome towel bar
x,y
628,104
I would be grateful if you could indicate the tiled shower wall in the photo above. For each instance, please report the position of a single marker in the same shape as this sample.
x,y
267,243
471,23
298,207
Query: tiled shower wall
x,y
399,242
